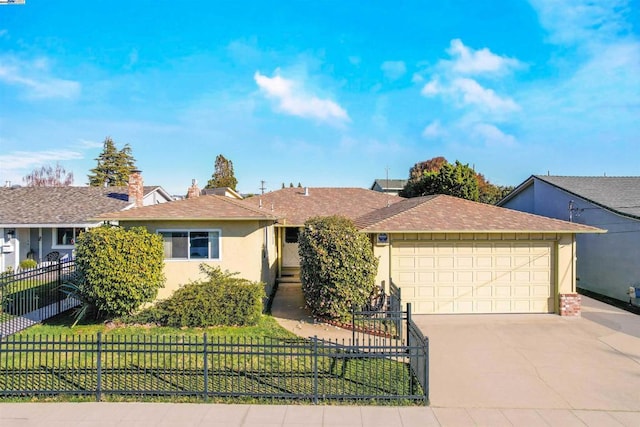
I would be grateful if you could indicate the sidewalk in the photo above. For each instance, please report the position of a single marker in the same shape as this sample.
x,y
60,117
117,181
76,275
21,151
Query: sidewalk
x,y
200,414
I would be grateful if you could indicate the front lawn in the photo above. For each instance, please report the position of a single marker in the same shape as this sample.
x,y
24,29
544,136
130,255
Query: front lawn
x,y
111,361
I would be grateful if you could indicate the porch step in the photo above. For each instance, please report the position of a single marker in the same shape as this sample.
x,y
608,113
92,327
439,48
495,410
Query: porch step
x,y
289,275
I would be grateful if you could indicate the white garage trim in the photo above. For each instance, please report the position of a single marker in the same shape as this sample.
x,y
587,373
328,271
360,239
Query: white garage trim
x,y
475,276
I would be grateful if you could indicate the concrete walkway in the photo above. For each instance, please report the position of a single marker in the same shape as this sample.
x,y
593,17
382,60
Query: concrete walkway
x,y
188,414
289,310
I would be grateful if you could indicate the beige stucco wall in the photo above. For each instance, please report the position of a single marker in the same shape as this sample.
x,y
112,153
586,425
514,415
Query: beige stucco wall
x,y
564,253
242,250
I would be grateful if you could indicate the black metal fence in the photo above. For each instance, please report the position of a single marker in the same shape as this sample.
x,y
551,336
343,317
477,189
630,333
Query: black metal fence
x,y
311,370
33,295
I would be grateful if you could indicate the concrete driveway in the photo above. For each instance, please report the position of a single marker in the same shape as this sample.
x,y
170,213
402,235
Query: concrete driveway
x,y
536,361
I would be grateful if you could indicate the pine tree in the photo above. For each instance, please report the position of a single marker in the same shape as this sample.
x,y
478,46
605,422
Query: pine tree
x,y
223,174
114,166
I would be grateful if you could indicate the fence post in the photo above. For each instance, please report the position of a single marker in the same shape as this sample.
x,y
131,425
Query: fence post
x,y
412,384
206,369
59,293
408,321
353,325
99,381
426,371
315,369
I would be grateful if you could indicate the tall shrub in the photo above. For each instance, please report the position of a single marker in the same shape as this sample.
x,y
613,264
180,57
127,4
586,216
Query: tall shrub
x,y
119,269
337,266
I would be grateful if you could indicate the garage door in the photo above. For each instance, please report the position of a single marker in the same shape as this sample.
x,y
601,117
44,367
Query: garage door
x,y
474,277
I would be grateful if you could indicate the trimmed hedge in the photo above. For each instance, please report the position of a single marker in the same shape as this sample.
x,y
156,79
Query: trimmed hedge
x,y
119,269
337,266
218,300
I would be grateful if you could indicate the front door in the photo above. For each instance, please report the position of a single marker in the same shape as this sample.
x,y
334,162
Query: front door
x,y
290,257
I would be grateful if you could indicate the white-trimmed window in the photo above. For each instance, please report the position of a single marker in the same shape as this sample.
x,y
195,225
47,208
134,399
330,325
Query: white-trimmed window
x,y
191,244
65,237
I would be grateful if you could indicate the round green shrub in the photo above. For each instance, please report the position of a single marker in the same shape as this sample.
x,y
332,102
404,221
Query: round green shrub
x,y
27,264
337,266
218,300
119,269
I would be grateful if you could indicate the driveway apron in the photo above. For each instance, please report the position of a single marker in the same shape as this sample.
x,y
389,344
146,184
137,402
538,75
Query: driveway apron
x,y
535,361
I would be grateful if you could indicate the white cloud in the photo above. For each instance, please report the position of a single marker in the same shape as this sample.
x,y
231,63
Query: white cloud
x,y
30,159
434,130
583,21
474,94
85,143
292,99
432,88
393,70
491,136
469,61
34,77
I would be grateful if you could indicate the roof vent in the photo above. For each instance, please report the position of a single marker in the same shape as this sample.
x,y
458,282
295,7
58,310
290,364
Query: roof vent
x,y
260,203
306,191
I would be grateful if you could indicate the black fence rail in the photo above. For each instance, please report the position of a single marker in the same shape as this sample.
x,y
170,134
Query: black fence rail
x,y
33,295
311,370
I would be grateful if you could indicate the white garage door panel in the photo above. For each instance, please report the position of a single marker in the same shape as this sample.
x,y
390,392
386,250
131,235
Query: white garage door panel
x,y
474,277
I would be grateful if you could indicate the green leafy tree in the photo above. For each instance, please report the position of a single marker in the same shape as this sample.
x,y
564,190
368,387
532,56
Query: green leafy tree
x,y
426,178
223,174
118,269
457,180
49,176
114,166
337,266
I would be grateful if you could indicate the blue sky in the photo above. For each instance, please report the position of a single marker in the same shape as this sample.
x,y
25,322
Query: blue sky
x,y
325,93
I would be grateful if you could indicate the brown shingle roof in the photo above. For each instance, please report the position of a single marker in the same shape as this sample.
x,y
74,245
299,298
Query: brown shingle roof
x,y
294,207
442,213
59,205
209,207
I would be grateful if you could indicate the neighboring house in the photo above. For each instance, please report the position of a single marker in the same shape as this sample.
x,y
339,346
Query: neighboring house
x,y
609,263
447,255
35,221
390,186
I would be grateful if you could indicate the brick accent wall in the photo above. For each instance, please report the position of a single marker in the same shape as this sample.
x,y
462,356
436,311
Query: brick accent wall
x,y
570,305
136,188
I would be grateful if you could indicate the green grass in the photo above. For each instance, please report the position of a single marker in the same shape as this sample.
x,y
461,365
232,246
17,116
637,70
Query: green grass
x,y
245,369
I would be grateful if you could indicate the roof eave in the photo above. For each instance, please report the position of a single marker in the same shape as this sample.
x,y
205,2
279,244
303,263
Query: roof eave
x,y
526,183
172,218
595,231
53,225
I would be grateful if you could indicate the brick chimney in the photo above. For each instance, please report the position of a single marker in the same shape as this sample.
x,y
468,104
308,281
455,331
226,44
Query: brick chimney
x,y
136,188
193,191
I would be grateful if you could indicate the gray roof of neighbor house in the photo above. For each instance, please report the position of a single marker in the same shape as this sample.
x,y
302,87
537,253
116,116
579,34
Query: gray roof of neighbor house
x,y
440,213
389,184
202,208
295,205
620,194
60,205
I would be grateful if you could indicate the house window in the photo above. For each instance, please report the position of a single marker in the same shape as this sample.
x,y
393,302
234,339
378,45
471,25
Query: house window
x,y
291,234
66,236
191,244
